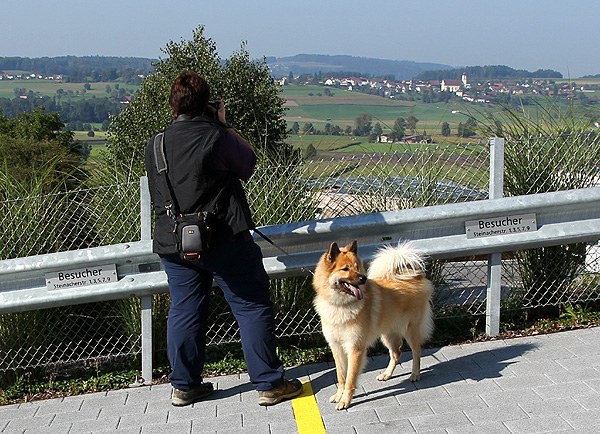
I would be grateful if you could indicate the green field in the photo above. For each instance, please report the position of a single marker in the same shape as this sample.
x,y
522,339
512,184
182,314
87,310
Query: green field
x,y
344,106
50,88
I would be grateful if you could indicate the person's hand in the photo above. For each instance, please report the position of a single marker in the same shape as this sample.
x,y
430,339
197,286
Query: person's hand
x,y
221,111
216,109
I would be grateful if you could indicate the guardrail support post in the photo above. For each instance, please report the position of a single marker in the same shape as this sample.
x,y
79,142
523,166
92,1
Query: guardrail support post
x,y
146,301
146,327
494,283
145,210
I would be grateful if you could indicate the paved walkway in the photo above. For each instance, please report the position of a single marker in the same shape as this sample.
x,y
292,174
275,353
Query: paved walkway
x,y
541,384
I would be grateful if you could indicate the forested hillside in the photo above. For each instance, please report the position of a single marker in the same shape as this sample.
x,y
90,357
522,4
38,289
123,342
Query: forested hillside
x,y
486,73
82,69
316,63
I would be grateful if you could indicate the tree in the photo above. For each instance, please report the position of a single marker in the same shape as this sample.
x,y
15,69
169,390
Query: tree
x,y
445,129
308,128
33,145
254,106
467,129
377,129
310,151
375,133
38,126
363,125
295,128
398,129
411,123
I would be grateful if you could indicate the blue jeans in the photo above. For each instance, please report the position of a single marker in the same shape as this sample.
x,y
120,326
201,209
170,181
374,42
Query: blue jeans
x,y
238,270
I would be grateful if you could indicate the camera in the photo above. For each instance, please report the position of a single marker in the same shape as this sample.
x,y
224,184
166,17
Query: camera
x,y
215,105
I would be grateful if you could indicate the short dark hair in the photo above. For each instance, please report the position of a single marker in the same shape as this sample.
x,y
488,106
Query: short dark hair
x,y
189,94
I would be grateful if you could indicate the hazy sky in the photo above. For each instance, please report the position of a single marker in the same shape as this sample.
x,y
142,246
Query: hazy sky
x,y
523,34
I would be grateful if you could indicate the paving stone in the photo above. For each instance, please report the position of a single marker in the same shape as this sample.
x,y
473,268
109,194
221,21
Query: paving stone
x,y
488,428
576,388
405,411
183,427
582,419
453,405
396,427
544,424
17,424
439,421
74,416
552,406
498,413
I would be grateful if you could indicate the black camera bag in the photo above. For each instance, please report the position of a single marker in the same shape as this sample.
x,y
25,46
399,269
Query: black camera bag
x,y
193,233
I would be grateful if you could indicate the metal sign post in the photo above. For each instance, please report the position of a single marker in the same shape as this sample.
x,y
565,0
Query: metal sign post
x,y
146,300
494,281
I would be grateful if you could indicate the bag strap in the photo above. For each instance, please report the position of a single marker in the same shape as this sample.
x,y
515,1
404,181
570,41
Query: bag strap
x,y
160,161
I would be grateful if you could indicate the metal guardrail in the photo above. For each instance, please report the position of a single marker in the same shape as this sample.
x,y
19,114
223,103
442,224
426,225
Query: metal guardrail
x,y
23,280
562,217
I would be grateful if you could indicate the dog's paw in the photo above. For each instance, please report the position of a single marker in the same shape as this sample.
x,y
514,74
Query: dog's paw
x,y
384,377
342,405
415,377
335,398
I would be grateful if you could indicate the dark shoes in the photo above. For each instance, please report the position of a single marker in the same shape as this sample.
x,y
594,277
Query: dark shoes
x,y
287,389
187,397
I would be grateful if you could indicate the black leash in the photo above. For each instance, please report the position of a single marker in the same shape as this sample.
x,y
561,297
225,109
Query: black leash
x,y
304,269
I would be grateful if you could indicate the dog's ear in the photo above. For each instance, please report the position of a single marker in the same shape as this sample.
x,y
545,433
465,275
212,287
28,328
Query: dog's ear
x,y
352,247
333,252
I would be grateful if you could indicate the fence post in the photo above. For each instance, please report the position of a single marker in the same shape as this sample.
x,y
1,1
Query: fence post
x,y
145,209
146,301
494,283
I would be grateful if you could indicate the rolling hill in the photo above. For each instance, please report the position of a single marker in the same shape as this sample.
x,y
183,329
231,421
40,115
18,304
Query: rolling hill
x,y
315,63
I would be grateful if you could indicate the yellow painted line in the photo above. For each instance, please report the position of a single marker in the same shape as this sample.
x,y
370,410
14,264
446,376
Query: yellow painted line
x,y
306,411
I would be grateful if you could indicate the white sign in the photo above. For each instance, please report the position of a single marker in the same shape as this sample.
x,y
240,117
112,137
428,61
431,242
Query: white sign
x,y
81,277
501,226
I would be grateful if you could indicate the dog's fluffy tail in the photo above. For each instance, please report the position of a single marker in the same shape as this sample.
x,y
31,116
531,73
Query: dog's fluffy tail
x,y
403,261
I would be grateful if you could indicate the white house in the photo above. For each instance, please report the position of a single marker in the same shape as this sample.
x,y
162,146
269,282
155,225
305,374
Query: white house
x,y
450,85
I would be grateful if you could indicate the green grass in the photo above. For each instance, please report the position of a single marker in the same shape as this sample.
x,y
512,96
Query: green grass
x,y
49,88
344,106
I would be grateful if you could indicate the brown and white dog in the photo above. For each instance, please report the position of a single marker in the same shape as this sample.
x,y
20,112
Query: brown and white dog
x,y
391,302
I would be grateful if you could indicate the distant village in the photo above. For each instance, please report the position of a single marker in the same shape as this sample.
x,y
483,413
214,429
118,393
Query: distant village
x,y
479,92
32,76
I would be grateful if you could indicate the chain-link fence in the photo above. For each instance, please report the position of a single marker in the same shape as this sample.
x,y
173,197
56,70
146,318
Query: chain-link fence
x,y
412,176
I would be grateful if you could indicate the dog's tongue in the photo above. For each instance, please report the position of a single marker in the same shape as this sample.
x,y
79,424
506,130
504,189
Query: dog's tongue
x,y
355,291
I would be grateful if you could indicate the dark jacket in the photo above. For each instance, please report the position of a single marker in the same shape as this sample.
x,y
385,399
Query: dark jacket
x,y
197,182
